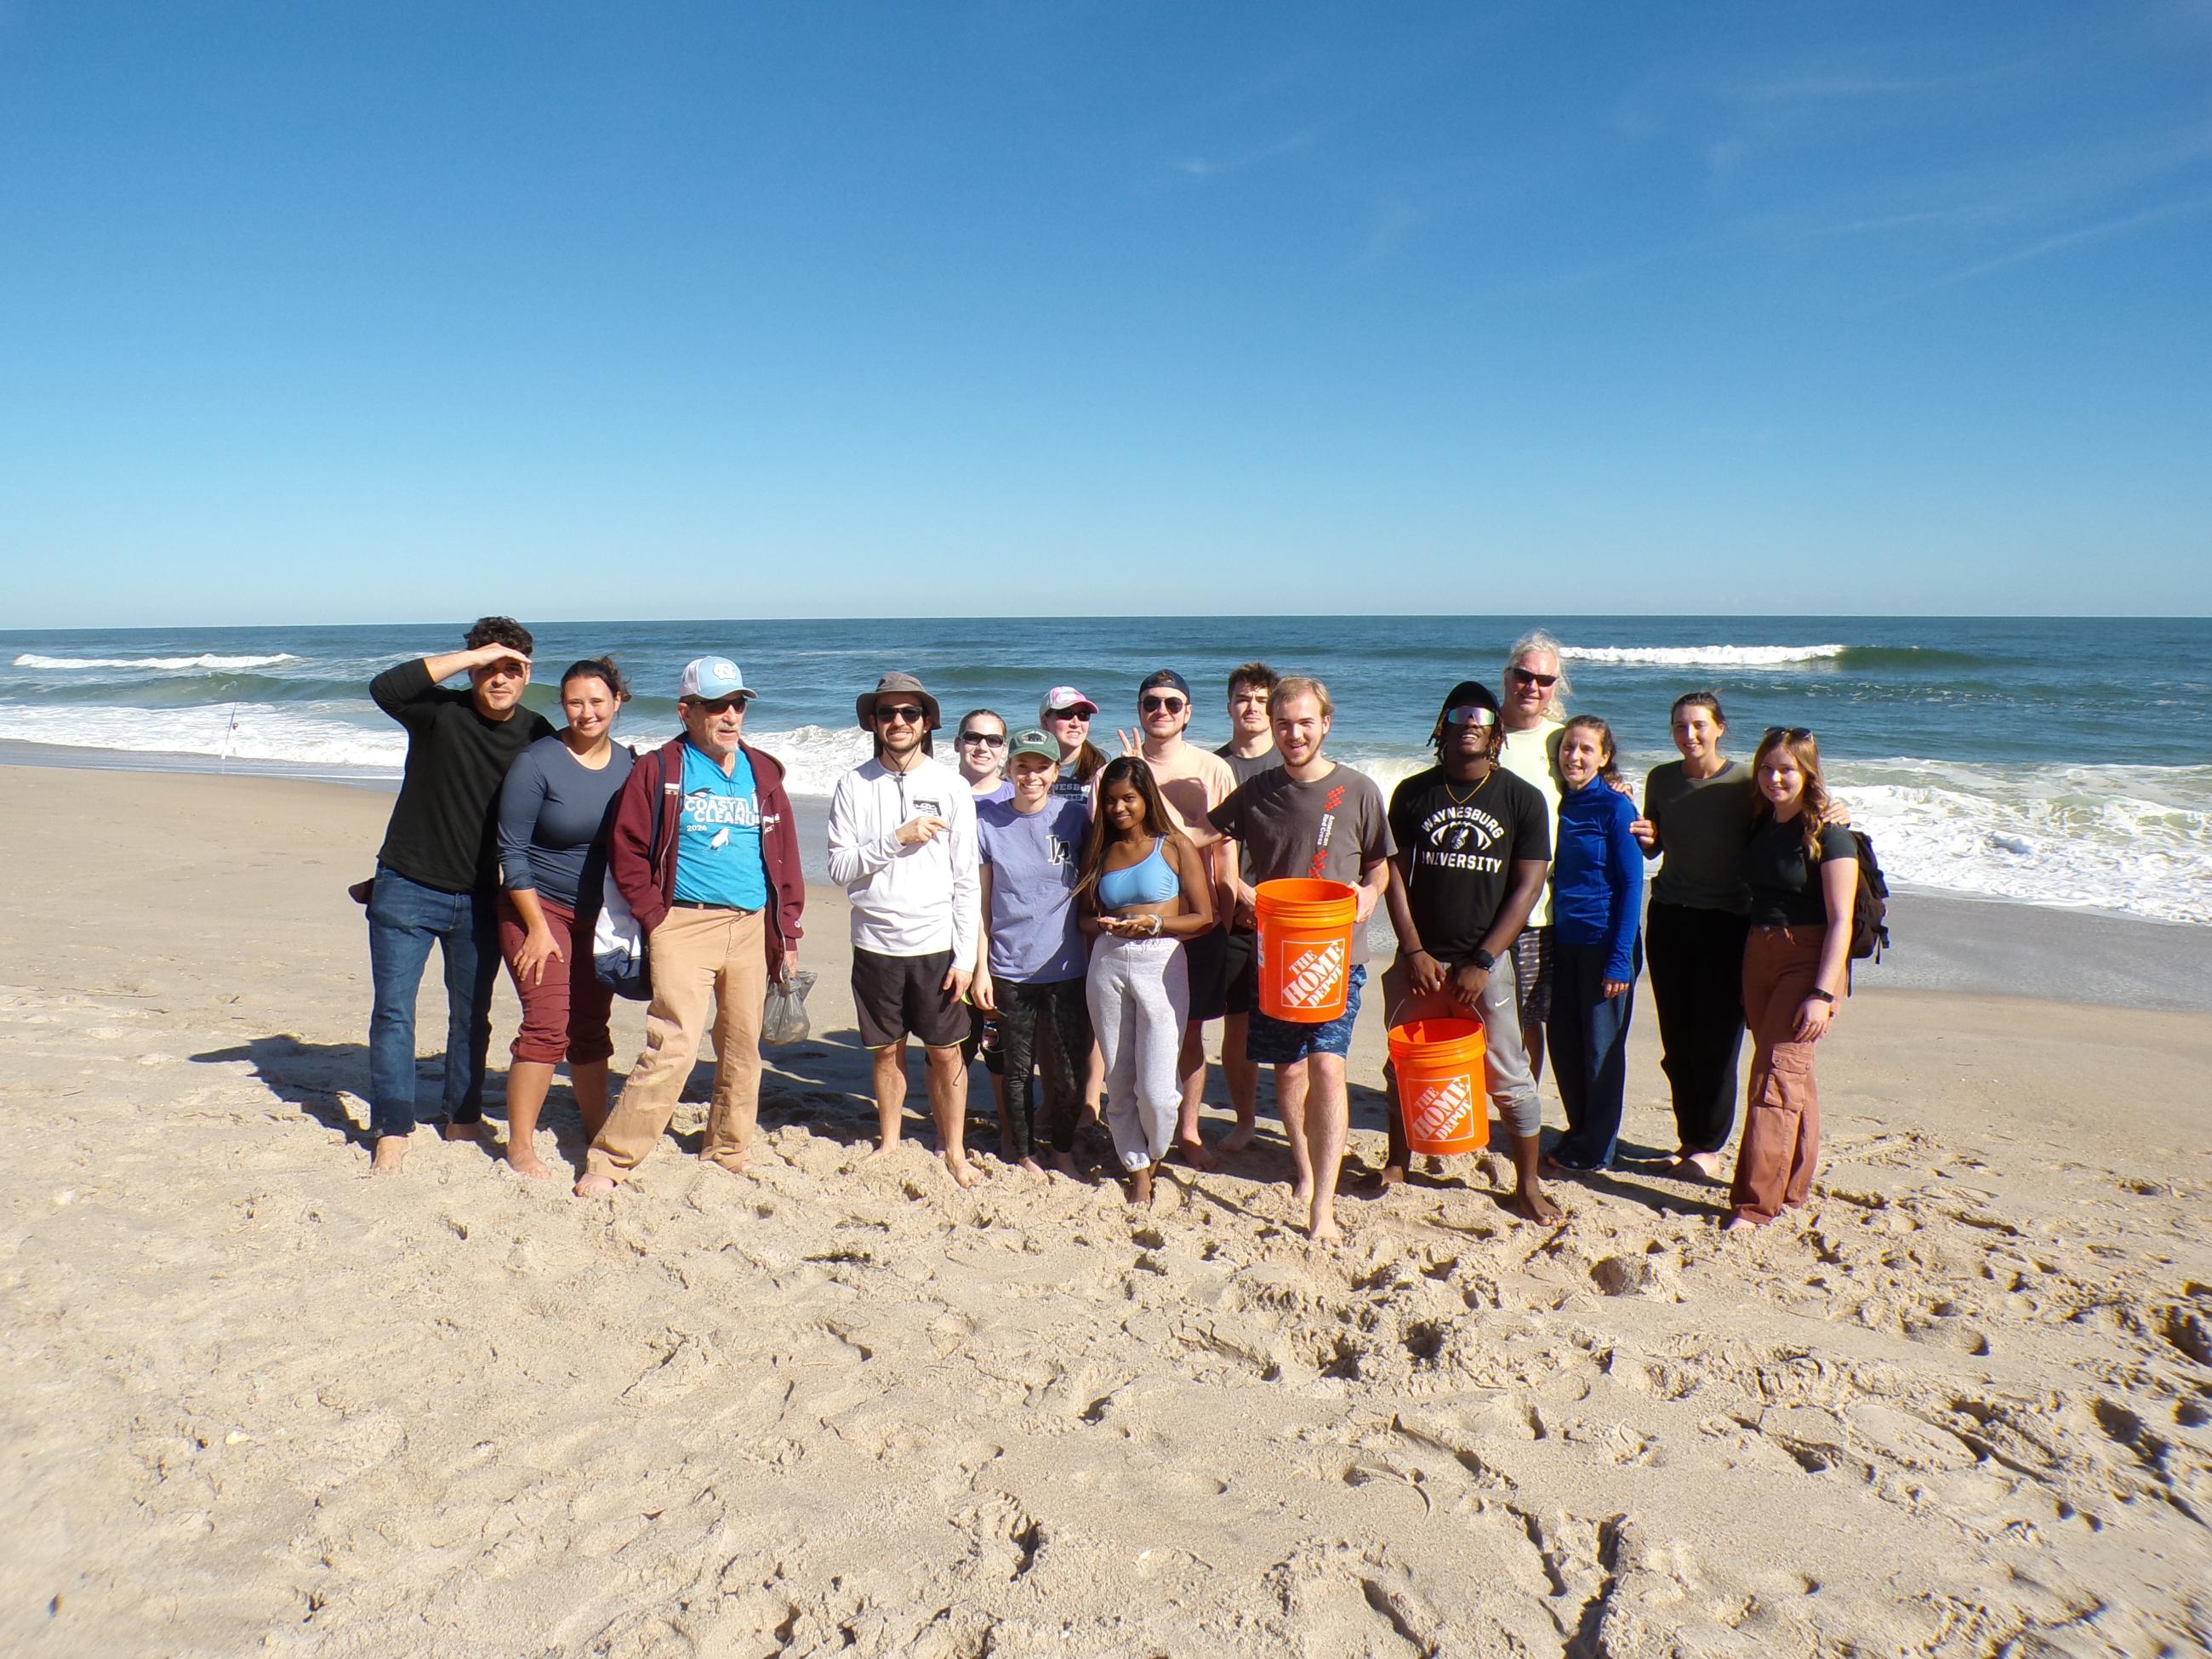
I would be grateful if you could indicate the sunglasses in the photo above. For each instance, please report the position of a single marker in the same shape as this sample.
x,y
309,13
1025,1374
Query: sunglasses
x,y
1067,715
1527,679
989,741
722,706
1787,733
1466,714
1154,705
897,712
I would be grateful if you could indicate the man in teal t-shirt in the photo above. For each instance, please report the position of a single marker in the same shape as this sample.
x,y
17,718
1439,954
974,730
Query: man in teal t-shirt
x,y
718,859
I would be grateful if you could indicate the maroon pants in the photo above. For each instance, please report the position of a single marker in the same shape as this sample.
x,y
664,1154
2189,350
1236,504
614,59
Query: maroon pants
x,y
1782,1115
564,1015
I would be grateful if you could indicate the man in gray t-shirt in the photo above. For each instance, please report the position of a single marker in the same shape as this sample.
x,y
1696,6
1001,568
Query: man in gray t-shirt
x,y
1250,751
1310,817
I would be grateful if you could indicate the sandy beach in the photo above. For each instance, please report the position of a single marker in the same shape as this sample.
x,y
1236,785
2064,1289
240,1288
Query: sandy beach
x,y
256,1400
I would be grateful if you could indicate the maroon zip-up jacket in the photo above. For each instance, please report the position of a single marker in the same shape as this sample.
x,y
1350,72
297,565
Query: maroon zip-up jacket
x,y
648,891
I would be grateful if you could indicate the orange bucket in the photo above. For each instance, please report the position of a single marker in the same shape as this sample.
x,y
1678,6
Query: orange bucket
x,y
1440,1086
1305,948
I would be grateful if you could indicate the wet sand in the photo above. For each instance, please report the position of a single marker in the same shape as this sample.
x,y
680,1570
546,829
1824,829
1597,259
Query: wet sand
x,y
257,1400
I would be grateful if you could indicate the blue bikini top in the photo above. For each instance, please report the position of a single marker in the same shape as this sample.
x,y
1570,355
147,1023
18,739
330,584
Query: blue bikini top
x,y
1150,880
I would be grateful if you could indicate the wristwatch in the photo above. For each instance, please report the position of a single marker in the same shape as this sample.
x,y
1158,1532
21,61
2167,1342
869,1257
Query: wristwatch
x,y
1483,959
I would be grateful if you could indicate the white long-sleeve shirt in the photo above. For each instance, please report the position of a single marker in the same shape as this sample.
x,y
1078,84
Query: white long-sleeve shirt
x,y
907,901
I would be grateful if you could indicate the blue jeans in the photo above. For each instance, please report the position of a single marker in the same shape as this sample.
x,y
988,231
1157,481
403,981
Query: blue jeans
x,y
1589,1039
405,919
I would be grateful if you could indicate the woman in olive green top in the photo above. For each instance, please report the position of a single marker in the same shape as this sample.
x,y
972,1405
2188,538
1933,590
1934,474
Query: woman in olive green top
x,y
1697,811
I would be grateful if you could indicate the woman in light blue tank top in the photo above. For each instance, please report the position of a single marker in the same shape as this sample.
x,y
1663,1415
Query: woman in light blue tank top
x,y
1144,891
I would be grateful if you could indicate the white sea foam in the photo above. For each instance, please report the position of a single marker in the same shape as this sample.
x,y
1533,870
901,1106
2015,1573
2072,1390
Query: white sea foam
x,y
30,660
262,731
2132,839
1702,656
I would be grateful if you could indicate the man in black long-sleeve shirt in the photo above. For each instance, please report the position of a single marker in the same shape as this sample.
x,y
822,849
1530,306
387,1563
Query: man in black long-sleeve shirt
x,y
436,875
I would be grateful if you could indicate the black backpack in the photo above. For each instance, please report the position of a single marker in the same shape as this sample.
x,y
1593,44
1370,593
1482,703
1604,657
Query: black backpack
x,y
1870,913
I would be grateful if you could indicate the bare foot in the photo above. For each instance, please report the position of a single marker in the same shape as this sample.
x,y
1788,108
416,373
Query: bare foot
x,y
1301,1192
1389,1176
1195,1154
462,1131
733,1162
1140,1187
524,1162
961,1170
1530,1203
883,1150
1740,1224
1323,1230
1241,1138
1706,1166
391,1152
1032,1166
1065,1162
594,1186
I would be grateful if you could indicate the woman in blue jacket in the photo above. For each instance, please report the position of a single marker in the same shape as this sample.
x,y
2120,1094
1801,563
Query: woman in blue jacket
x,y
1597,895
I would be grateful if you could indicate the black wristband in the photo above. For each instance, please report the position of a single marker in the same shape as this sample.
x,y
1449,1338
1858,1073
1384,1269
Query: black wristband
x,y
1482,959
1828,997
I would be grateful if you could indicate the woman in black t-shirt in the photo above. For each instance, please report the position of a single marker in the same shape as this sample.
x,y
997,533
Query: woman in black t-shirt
x,y
1803,874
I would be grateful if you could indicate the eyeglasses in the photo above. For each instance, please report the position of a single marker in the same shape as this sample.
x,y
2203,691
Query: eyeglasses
x,y
989,741
1546,681
1468,714
897,712
1787,733
1153,705
1067,715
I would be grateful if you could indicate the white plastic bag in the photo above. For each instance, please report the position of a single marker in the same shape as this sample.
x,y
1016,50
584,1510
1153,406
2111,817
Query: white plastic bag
x,y
783,1019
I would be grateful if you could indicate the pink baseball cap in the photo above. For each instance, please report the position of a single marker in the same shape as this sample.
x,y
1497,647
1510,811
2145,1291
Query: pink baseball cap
x,y
1065,699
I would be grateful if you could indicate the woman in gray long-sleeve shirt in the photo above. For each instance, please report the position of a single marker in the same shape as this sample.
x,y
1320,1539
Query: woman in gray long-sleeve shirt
x,y
553,809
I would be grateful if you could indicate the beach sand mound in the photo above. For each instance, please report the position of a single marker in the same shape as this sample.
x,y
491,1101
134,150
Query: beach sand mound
x,y
1962,1403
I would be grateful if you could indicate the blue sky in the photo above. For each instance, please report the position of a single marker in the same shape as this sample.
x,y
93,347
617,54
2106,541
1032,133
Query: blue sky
x,y
336,312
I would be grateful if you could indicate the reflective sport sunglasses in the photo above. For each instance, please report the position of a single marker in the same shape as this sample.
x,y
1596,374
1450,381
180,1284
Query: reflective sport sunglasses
x,y
1469,715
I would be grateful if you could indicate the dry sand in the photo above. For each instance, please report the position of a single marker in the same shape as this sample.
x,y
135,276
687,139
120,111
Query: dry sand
x,y
253,1399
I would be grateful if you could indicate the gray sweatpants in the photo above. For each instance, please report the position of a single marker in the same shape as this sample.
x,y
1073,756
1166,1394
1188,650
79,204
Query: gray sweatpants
x,y
1506,1074
1140,996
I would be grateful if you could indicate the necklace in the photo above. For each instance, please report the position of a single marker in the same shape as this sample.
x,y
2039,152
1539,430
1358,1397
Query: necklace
x,y
1457,800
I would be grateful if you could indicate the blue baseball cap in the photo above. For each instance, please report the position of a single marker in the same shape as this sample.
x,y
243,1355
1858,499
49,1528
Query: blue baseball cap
x,y
710,679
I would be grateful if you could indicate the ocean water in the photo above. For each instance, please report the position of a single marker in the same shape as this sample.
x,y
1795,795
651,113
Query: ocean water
x,y
2051,762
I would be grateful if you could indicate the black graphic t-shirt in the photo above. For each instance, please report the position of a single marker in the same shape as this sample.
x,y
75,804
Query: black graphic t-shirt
x,y
1460,841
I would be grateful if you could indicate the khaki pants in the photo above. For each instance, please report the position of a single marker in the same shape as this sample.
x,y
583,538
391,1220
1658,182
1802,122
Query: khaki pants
x,y
1781,1143
697,954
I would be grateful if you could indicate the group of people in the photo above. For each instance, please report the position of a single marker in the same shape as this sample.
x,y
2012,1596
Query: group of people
x,y
1076,921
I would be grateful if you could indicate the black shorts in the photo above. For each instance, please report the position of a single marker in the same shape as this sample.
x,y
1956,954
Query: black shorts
x,y
1208,958
1242,977
895,997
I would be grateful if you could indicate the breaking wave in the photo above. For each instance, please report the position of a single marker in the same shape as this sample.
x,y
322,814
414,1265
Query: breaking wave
x,y
207,660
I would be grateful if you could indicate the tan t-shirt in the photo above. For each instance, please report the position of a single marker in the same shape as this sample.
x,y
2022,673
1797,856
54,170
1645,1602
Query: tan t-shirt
x,y
1532,757
1192,783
